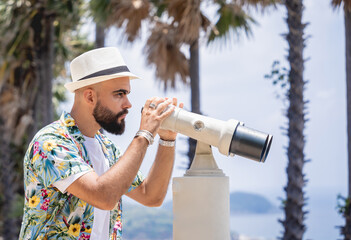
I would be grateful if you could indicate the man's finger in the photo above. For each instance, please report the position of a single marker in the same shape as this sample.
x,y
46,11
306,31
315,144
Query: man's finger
x,y
167,113
162,106
175,101
148,102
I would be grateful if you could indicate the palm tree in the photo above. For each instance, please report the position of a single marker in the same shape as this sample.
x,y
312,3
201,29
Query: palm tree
x,y
174,24
34,31
346,230
190,20
17,98
293,223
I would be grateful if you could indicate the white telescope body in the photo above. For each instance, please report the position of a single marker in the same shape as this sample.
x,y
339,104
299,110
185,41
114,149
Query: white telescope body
x,y
201,197
230,137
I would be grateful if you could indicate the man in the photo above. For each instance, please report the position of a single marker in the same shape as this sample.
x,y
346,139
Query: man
x,y
75,176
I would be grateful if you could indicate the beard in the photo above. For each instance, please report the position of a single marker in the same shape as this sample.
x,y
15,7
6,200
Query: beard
x,y
109,120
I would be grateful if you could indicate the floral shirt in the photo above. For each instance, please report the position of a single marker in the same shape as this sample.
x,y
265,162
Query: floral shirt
x,y
55,153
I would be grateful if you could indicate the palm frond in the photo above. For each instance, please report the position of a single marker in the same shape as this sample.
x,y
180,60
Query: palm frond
x,y
187,17
15,21
128,14
232,20
163,51
259,3
100,10
160,6
337,3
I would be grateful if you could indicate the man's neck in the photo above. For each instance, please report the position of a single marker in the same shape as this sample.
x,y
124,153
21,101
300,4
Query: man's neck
x,y
85,121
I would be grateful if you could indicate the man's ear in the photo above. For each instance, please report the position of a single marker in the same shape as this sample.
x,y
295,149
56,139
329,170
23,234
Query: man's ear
x,y
90,96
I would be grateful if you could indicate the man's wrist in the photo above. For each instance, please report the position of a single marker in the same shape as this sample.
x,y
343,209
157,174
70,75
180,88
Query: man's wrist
x,y
147,135
167,143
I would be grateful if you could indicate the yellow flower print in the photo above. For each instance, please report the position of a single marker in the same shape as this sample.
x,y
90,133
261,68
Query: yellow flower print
x,y
33,201
60,131
60,165
74,230
35,157
69,122
49,145
104,149
88,229
32,179
82,204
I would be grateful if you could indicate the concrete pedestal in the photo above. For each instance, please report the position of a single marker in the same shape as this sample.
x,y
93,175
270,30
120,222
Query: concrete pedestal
x,y
201,208
201,200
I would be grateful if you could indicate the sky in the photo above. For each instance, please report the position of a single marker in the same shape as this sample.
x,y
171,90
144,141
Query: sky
x,y
233,87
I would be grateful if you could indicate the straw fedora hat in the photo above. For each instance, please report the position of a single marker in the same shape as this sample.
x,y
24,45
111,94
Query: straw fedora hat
x,y
96,66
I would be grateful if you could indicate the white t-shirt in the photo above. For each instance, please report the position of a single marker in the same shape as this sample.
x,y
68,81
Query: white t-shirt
x,y
101,224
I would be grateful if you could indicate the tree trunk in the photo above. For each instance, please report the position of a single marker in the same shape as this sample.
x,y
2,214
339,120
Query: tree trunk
x,y
294,214
17,103
99,42
44,61
99,36
195,91
8,185
346,230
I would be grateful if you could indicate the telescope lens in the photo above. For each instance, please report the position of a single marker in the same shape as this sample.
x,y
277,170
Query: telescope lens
x,y
250,143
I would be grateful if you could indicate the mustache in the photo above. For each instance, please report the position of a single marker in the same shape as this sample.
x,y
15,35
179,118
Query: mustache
x,y
125,111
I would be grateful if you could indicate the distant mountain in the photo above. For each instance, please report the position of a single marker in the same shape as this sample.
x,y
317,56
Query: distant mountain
x,y
243,202
250,203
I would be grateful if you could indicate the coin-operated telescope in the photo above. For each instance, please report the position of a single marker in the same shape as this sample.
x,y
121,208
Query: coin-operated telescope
x,y
201,196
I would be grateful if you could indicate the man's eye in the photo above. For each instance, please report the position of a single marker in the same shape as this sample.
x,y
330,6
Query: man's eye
x,y
119,94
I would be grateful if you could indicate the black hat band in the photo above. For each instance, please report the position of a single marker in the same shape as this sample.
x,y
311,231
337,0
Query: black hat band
x,y
108,71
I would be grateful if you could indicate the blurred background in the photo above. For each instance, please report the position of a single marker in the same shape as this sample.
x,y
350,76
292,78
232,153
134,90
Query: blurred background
x,y
278,66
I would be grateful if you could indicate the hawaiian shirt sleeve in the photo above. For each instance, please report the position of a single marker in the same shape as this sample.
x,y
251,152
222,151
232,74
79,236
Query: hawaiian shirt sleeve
x,y
137,181
55,159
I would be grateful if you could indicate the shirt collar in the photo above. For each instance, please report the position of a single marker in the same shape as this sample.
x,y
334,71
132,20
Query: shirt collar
x,y
103,139
68,122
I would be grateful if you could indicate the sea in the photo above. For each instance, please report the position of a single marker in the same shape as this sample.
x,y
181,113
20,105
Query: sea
x,y
322,221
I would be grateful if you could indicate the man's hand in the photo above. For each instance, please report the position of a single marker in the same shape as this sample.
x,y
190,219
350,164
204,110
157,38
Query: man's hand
x,y
154,112
166,134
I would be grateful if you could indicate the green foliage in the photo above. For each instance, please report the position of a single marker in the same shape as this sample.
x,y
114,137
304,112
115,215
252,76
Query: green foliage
x,y
232,19
67,13
280,77
18,27
16,42
100,10
160,6
343,205
58,97
344,209
17,207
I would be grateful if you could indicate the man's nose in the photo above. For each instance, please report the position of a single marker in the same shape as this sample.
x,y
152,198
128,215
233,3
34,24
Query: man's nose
x,y
127,104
